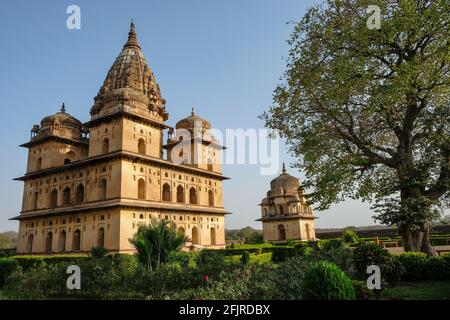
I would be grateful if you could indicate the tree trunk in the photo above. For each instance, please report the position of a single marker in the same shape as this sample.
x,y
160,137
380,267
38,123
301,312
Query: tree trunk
x,y
417,240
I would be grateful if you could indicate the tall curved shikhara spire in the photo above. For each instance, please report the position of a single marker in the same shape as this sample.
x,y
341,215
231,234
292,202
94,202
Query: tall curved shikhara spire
x,y
130,82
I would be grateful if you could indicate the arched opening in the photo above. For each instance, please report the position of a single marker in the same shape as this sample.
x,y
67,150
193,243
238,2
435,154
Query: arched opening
x,y
141,146
48,242
53,199
265,211
80,193
66,196
105,146
194,235
211,198
213,235
141,189
30,243
102,189
101,238
181,231
210,165
192,196
62,241
166,194
39,164
66,161
34,201
281,211
76,240
281,232
308,231
180,194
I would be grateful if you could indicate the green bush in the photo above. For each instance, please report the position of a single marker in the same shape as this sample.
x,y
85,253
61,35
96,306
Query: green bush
x,y
289,279
7,267
415,265
27,262
325,281
368,253
280,254
245,258
362,292
349,236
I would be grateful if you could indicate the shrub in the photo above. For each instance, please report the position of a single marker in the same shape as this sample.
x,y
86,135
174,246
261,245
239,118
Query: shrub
x,y
289,278
280,254
325,281
349,236
98,252
28,262
7,267
414,264
245,258
392,270
362,292
367,253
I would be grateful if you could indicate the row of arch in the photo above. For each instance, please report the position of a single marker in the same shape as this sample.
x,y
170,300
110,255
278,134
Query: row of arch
x,y
195,238
62,240
180,198
67,195
142,148
281,229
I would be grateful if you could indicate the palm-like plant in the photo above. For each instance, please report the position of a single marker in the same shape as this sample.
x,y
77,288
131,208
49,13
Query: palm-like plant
x,y
156,241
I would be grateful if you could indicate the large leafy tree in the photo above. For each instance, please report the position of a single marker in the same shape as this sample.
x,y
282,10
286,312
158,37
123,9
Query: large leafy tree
x,y
367,112
156,241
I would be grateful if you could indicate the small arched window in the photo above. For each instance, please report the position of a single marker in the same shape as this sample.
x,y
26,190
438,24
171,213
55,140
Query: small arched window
x,y
80,194
66,161
141,146
141,189
211,198
66,196
180,194
103,189
101,238
39,164
105,146
76,240
34,201
192,196
53,199
166,194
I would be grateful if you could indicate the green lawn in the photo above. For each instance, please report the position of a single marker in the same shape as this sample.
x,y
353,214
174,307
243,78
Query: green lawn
x,y
420,290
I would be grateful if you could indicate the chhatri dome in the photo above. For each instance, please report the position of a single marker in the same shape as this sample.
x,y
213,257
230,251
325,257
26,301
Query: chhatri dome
x,y
285,183
60,124
191,121
131,82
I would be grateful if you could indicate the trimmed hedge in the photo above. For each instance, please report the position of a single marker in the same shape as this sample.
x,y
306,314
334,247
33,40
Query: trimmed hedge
x,y
27,262
420,267
7,266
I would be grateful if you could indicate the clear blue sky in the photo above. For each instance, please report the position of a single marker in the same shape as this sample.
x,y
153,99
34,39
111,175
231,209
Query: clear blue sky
x,y
223,57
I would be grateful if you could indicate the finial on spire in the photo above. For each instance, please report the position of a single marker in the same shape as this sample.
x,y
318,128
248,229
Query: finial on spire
x,y
192,112
132,37
284,168
63,108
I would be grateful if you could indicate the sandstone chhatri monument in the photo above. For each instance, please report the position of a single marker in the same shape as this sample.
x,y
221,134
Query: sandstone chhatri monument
x,y
91,184
286,214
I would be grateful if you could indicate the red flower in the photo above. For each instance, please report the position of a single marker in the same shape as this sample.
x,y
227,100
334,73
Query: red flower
x,y
206,278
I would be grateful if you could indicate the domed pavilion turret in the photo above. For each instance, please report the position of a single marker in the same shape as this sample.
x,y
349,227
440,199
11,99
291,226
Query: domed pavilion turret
x,y
286,214
193,144
130,85
60,124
